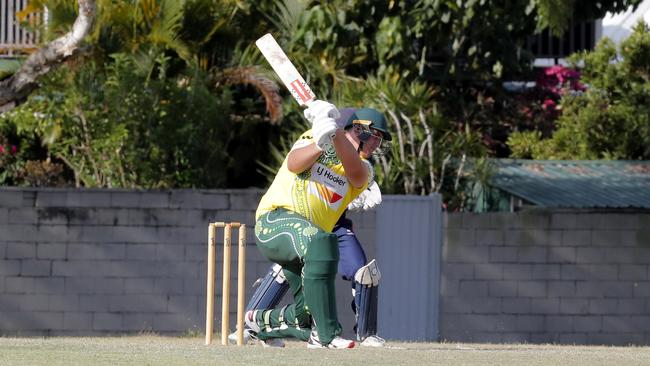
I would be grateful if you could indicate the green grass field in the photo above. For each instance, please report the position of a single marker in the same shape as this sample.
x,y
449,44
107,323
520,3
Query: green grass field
x,y
159,350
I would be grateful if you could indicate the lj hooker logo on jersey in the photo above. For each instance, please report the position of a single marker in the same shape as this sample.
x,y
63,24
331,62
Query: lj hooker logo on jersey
x,y
328,186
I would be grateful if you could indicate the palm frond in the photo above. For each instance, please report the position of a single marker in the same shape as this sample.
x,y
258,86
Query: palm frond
x,y
61,15
279,150
171,16
144,61
286,16
248,56
166,28
252,76
277,157
150,9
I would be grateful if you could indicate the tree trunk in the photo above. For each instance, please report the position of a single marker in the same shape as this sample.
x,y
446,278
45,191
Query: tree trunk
x,y
17,87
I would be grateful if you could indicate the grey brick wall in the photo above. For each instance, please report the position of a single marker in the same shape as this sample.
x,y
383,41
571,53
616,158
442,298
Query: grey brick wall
x,y
90,262
546,277
99,261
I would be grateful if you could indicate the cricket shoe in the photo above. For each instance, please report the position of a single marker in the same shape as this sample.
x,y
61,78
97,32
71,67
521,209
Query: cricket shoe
x,y
373,341
251,322
248,336
336,343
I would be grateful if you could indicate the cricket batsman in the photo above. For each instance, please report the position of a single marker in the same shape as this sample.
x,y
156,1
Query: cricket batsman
x,y
325,171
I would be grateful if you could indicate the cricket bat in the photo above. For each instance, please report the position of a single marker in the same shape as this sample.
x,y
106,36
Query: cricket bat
x,y
283,67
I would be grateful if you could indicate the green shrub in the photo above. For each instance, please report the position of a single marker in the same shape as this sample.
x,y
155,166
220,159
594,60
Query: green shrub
x,y
611,119
113,125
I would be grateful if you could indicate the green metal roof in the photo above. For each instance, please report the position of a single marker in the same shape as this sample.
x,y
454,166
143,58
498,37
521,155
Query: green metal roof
x,y
576,184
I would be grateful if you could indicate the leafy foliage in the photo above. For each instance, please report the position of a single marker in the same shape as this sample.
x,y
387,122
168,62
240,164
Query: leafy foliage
x,y
142,110
8,67
174,93
611,119
428,150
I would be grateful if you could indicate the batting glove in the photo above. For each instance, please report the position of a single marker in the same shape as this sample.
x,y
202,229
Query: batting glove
x,y
321,109
367,200
357,204
323,131
372,197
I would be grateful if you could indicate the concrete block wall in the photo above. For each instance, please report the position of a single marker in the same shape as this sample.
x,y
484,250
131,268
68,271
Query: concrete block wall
x,y
92,262
546,277
97,261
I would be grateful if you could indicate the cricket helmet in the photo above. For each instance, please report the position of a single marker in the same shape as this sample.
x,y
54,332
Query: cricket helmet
x,y
371,118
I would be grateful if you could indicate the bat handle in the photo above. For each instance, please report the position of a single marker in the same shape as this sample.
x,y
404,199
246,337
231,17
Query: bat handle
x,y
308,102
326,146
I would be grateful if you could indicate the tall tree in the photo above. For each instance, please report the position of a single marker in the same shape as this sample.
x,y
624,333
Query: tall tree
x,y
17,87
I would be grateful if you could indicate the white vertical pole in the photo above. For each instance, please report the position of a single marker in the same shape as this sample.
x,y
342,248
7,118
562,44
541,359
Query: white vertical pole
x,y
11,24
3,22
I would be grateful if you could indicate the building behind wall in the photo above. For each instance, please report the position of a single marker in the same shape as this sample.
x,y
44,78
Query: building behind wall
x,y
18,31
583,35
596,185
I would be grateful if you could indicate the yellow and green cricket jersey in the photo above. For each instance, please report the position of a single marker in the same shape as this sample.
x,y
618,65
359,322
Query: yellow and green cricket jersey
x,y
320,193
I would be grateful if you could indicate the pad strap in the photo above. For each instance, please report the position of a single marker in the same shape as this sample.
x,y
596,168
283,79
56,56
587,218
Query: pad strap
x,y
267,320
283,324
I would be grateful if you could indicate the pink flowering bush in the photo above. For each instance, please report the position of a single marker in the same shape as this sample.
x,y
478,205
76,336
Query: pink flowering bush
x,y
8,160
607,120
541,107
555,82
558,79
17,169
8,150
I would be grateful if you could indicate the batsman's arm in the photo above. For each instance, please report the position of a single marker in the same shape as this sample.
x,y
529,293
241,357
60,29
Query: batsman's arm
x,y
355,170
302,158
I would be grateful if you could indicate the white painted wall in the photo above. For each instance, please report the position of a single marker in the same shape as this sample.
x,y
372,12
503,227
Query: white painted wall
x,y
619,26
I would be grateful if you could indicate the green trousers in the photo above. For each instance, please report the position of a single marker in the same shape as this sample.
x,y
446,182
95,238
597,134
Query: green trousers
x,y
309,257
